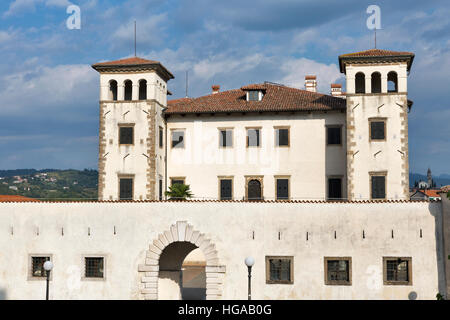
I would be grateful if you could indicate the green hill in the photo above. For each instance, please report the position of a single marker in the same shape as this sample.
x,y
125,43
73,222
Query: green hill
x,y
50,184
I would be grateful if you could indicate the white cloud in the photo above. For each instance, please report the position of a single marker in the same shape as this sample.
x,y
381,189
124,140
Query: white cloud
x,y
22,6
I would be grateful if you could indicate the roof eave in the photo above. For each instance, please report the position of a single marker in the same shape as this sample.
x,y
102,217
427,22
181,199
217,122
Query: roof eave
x,y
149,66
409,58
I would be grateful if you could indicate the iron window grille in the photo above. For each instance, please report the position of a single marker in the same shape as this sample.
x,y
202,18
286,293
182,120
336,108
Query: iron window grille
x,y
279,270
94,267
338,271
397,271
282,189
37,266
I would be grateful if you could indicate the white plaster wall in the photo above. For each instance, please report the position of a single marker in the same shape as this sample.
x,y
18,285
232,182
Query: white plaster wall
x,y
308,160
229,226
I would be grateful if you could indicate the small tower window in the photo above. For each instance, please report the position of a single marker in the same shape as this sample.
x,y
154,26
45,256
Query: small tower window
x,y
143,90
128,90
392,81
376,82
360,83
113,90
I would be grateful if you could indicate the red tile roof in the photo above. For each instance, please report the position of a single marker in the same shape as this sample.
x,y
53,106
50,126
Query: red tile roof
x,y
13,198
133,64
376,55
276,98
432,193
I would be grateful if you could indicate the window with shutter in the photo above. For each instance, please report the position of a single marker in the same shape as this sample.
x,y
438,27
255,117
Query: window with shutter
x,y
334,188
126,189
225,189
253,137
282,137
377,130
334,135
378,187
282,189
177,139
126,135
226,138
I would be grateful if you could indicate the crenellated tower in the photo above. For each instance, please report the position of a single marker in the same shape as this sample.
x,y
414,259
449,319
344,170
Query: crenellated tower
x,y
377,123
133,95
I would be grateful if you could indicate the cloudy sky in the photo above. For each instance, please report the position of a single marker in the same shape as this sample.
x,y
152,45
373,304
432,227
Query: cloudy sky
x,y
49,92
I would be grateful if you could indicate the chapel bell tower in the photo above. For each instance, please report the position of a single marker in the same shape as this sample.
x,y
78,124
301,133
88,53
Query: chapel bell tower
x,y
133,95
377,124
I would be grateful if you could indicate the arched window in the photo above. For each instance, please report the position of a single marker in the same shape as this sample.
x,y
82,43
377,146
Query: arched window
x,y
254,190
143,90
376,82
128,90
392,81
113,90
360,83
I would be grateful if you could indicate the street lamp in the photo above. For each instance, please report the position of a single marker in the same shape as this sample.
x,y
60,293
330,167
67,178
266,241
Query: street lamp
x,y
249,262
48,266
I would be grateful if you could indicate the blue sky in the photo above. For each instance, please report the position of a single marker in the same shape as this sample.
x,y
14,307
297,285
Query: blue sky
x,y
49,92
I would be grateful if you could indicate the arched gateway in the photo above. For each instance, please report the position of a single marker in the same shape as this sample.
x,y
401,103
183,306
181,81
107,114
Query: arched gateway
x,y
181,235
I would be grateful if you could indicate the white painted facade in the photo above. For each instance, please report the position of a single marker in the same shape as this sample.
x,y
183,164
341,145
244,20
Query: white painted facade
x,y
129,235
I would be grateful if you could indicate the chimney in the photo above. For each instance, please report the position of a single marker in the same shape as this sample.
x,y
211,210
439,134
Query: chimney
x,y
310,83
215,88
336,90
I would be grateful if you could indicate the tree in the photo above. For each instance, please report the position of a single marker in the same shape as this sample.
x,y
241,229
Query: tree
x,y
179,191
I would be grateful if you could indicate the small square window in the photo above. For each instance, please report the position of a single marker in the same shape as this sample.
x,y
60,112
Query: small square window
x,y
280,270
177,139
94,267
334,135
338,271
126,135
226,138
253,137
37,266
282,137
377,130
176,181
397,271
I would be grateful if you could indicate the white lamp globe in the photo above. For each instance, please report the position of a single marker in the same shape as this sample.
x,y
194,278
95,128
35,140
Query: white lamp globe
x,y
249,261
48,265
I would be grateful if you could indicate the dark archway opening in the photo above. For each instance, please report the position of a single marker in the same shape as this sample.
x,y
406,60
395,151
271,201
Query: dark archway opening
x,y
128,90
360,83
113,90
254,190
392,81
376,82
143,90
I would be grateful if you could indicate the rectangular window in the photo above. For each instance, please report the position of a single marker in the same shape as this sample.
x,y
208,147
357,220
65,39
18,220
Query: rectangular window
x,y
253,95
160,189
377,129
282,189
338,271
176,180
378,186
280,270
226,189
37,266
253,136
93,267
397,271
334,188
334,135
178,139
282,137
226,138
161,137
126,135
126,188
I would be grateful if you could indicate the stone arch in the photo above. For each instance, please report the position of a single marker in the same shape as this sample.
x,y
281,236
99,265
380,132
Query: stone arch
x,y
181,231
128,87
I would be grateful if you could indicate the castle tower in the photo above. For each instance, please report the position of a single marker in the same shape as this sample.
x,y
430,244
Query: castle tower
x,y
377,123
429,179
133,95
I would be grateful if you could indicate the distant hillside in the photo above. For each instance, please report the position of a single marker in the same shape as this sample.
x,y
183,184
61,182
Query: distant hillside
x,y
50,183
442,180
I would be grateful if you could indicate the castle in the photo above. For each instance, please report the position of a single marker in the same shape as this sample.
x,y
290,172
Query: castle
x,y
313,186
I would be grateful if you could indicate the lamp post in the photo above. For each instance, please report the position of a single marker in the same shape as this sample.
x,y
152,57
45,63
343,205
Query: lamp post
x,y
48,266
249,262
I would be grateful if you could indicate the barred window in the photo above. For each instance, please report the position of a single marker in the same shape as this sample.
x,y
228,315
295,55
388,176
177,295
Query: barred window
x,y
37,266
282,189
397,271
226,192
337,271
378,186
94,267
279,270
126,135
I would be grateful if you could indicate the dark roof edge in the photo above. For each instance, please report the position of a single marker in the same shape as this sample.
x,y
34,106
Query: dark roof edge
x,y
149,66
407,57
